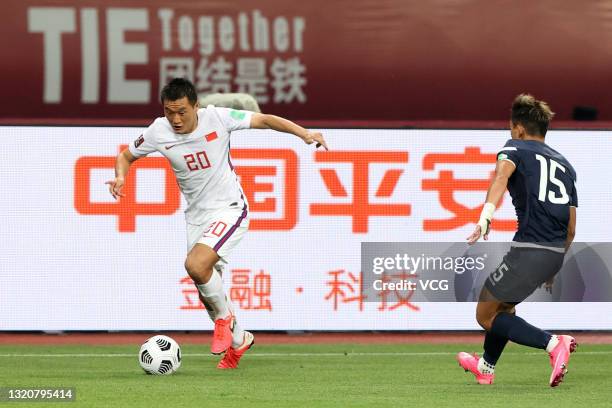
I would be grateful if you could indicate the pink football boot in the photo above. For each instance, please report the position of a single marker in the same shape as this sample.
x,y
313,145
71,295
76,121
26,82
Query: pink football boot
x,y
222,337
233,355
469,362
559,359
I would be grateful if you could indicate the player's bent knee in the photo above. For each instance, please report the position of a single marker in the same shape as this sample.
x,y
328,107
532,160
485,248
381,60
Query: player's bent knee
x,y
485,316
484,322
191,268
200,262
198,269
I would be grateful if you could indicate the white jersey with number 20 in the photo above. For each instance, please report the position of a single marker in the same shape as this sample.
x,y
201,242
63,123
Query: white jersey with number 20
x,y
200,160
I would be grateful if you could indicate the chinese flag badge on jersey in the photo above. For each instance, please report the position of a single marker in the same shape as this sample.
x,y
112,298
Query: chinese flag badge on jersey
x,y
211,136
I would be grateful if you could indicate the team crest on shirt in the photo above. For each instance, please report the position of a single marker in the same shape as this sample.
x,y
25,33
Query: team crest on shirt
x,y
139,141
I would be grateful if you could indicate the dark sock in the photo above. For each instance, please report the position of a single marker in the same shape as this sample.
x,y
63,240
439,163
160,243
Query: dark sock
x,y
493,347
519,331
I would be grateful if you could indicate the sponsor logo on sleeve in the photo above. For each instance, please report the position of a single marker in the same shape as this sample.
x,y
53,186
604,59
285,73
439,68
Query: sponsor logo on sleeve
x,y
139,141
238,115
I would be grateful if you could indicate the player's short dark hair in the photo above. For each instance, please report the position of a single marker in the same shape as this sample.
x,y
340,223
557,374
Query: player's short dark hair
x,y
179,88
534,115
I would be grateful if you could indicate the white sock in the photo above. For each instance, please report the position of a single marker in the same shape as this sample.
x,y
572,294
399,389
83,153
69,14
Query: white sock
x,y
211,314
485,367
214,294
238,333
554,340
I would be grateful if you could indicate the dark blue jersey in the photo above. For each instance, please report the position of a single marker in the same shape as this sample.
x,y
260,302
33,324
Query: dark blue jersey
x,y
543,188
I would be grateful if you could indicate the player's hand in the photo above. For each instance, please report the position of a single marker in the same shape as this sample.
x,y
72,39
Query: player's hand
x,y
475,236
315,137
548,285
472,239
115,186
483,226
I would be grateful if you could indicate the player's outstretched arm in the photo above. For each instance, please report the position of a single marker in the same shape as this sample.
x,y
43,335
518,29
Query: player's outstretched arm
x,y
497,188
263,121
122,165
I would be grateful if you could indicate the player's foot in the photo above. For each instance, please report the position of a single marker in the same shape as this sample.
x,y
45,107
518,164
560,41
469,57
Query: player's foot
x,y
222,337
469,362
233,355
559,359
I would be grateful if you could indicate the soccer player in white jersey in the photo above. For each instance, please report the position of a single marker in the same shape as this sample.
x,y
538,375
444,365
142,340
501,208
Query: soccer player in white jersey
x,y
197,144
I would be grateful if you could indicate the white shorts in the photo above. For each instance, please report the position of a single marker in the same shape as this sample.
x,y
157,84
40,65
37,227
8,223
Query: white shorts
x,y
221,230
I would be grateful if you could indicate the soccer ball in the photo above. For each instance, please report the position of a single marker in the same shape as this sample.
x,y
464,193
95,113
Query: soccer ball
x,y
160,355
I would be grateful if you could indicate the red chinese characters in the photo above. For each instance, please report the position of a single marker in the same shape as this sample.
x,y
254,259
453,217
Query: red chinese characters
x,y
400,297
272,201
248,291
128,207
360,209
191,295
345,287
271,183
446,185
251,291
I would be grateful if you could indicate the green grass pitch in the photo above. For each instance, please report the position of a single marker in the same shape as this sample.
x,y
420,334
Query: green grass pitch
x,y
335,375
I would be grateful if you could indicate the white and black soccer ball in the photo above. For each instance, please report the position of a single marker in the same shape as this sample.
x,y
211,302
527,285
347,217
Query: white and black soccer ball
x,y
160,355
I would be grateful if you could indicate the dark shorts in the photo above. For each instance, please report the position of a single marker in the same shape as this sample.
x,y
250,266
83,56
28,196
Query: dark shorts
x,y
521,272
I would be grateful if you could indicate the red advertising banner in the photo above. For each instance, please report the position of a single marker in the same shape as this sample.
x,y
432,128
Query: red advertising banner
x,y
358,60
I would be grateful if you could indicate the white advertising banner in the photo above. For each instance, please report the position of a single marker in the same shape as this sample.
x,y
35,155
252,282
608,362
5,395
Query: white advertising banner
x,y
74,259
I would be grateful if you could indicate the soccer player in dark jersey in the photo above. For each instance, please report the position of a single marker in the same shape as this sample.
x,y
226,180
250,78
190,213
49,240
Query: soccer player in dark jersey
x,y
541,183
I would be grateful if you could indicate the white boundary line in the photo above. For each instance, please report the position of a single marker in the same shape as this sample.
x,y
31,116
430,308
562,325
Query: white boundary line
x,y
338,354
